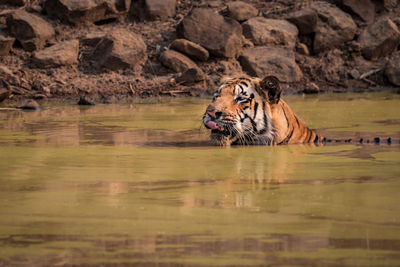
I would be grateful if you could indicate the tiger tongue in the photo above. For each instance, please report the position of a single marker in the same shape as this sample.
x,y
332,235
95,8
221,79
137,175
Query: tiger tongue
x,y
213,125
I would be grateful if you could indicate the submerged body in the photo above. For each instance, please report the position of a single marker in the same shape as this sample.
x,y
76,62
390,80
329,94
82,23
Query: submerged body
x,y
248,111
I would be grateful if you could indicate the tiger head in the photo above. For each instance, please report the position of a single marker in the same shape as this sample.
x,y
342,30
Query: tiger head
x,y
240,112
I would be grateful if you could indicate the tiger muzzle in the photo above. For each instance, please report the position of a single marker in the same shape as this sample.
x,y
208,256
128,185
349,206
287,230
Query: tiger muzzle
x,y
211,119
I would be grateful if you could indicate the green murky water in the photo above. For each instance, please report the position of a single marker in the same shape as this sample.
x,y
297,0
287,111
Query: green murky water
x,y
139,184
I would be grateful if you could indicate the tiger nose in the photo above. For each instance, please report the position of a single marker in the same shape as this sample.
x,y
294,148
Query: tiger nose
x,y
213,112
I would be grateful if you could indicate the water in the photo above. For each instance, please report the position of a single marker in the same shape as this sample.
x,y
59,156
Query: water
x,y
139,184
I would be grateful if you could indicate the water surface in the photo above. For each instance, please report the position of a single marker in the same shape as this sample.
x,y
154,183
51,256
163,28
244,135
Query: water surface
x,y
139,184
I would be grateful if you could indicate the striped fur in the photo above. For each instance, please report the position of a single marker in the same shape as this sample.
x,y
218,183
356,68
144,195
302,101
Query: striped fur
x,y
249,111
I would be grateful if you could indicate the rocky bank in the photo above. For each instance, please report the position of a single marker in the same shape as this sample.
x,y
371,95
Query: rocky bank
x,y
114,49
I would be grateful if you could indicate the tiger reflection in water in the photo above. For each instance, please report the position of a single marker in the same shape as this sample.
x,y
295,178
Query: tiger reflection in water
x,y
249,178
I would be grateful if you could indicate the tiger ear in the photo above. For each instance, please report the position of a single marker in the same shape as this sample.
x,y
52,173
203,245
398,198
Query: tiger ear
x,y
270,86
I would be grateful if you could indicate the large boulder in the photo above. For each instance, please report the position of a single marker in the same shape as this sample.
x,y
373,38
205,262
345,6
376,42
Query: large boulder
x,y
120,49
86,11
379,39
190,49
277,61
334,27
274,32
30,30
241,11
176,61
392,70
305,20
6,44
221,36
365,9
61,54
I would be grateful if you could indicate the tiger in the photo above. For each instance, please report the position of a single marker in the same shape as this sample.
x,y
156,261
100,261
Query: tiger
x,y
250,111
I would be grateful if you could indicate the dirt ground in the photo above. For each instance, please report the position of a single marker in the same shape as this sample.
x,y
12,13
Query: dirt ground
x,y
330,71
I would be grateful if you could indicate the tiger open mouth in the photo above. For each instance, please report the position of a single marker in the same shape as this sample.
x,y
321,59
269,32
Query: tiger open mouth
x,y
214,126
218,129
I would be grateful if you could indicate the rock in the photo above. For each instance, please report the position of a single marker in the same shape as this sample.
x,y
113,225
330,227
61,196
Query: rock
x,y
13,2
397,22
221,36
392,70
7,76
230,68
302,49
176,61
312,88
275,32
29,104
4,94
241,11
334,27
120,49
86,11
379,39
34,7
277,61
390,4
5,90
6,44
92,38
355,74
5,72
153,9
354,46
305,20
191,76
110,99
160,9
39,96
85,101
190,49
246,43
365,9
30,30
61,54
